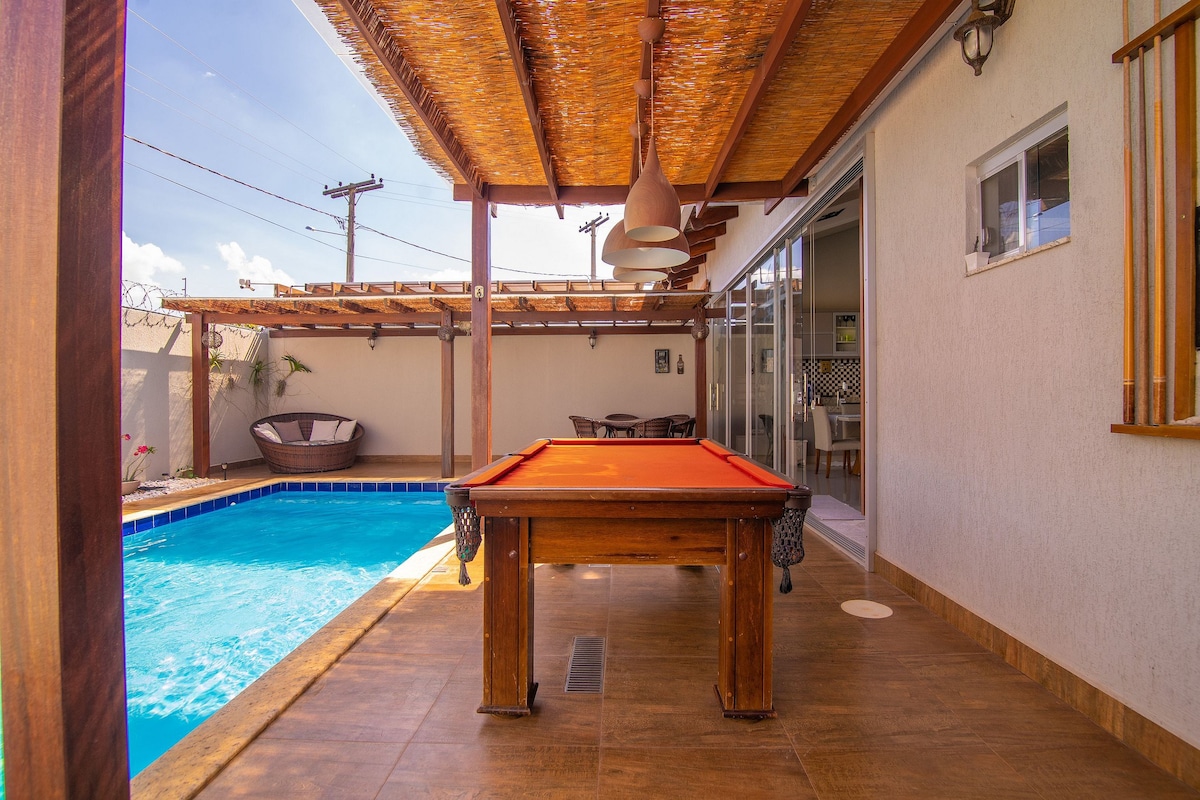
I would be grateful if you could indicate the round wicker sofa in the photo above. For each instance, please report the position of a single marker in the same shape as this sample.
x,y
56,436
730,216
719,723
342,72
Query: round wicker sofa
x,y
294,458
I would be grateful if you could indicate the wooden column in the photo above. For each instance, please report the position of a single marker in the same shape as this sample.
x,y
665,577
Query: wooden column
x,y
1184,404
200,412
701,361
481,334
446,334
61,616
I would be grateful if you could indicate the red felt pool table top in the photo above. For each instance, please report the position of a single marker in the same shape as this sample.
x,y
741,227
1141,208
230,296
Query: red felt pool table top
x,y
626,463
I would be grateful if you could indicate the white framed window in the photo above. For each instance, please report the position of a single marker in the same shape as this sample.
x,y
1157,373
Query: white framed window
x,y
1023,193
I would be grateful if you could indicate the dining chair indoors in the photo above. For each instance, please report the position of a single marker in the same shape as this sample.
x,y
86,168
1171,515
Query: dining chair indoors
x,y
823,441
655,428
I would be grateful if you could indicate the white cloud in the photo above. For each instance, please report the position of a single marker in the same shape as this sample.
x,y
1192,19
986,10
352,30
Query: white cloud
x,y
257,269
145,263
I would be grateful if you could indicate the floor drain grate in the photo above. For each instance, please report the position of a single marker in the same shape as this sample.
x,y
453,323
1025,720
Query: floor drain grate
x,y
585,673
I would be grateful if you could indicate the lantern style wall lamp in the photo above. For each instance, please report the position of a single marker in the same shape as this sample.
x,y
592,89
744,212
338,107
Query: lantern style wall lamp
x,y
592,338
373,338
976,34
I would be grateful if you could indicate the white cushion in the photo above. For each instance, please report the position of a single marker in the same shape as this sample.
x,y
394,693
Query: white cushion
x,y
323,430
267,432
345,430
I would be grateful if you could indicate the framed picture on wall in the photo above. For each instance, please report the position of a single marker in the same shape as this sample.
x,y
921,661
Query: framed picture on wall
x,y
662,360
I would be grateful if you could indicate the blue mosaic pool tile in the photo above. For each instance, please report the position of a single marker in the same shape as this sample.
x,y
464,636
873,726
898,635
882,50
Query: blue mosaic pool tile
x,y
127,528
206,506
430,487
354,487
324,487
255,493
143,524
339,487
177,514
370,487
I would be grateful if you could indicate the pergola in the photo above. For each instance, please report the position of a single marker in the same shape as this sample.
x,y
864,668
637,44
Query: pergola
x,y
443,310
515,101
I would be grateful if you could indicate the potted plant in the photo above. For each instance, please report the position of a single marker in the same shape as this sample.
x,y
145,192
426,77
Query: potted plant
x,y
131,479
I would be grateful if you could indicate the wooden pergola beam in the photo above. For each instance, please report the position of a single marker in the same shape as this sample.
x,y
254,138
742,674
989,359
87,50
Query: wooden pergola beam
x,y
376,36
794,14
527,195
713,215
481,330
923,24
520,61
695,237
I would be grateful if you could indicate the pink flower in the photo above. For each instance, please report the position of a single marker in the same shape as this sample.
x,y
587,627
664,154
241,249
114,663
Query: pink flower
x,y
137,459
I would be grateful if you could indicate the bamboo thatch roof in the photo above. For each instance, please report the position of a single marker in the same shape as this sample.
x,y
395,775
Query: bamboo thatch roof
x,y
531,101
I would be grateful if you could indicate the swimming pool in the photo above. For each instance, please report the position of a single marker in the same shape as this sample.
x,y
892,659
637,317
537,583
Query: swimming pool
x,y
217,593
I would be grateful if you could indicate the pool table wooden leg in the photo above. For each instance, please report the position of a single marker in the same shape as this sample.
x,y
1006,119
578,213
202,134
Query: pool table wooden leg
x,y
508,686
744,662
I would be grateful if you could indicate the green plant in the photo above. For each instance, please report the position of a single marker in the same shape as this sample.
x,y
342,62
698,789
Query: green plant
x,y
258,374
215,361
185,472
294,366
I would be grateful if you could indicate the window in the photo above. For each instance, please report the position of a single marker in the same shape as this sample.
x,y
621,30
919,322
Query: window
x,y
1024,198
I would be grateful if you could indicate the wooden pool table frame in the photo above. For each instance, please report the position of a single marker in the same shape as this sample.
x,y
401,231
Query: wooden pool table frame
x,y
726,527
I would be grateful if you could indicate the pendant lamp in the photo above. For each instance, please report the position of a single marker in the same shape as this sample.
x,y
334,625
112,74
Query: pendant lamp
x,y
652,207
638,275
623,252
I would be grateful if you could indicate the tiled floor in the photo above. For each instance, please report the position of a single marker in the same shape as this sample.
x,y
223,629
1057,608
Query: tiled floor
x,y
903,707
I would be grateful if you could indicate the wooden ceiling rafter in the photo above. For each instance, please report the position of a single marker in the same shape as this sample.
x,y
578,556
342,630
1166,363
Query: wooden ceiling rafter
x,y
520,61
794,14
920,28
375,34
746,192
708,234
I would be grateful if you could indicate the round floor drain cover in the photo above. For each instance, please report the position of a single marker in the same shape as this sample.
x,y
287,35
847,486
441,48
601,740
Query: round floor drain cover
x,y
866,608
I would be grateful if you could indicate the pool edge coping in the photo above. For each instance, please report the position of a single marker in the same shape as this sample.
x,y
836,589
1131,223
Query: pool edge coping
x,y
195,761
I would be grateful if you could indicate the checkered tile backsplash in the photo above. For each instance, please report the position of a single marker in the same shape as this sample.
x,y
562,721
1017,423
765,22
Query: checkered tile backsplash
x,y
829,383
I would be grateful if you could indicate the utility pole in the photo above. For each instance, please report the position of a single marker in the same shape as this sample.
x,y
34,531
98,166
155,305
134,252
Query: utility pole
x,y
350,192
590,227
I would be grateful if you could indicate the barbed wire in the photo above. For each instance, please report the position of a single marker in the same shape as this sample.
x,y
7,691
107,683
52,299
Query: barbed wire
x,y
143,297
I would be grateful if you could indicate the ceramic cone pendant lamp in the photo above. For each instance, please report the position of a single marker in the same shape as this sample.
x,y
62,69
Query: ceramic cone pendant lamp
x,y
623,252
652,208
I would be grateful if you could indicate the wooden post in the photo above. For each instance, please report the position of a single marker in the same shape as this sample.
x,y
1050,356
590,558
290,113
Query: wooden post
x,y
481,334
447,340
61,616
200,409
1142,256
701,379
1185,221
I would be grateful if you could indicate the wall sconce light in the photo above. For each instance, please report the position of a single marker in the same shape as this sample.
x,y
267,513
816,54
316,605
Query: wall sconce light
x,y
592,338
373,338
679,364
976,34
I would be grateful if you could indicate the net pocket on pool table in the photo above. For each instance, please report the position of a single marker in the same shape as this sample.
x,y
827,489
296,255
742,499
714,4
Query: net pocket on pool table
x,y
787,545
467,538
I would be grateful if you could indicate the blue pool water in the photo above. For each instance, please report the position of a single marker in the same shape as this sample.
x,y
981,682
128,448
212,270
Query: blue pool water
x,y
213,601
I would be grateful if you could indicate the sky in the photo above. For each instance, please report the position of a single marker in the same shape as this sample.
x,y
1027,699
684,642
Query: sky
x,y
268,116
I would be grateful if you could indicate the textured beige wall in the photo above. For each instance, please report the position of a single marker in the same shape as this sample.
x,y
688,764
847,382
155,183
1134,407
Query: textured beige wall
x,y
999,482
538,382
156,391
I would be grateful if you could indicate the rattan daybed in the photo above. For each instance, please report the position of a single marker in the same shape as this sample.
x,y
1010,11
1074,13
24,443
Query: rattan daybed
x,y
306,457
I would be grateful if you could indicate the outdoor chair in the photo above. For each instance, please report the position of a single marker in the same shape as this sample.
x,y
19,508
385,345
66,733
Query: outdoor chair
x,y
682,425
586,427
823,441
620,418
656,428
301,455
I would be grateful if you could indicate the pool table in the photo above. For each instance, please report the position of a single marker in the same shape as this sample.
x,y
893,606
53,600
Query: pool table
x,y
627,501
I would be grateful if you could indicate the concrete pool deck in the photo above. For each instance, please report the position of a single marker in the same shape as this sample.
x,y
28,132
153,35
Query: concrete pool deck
x,y
381,703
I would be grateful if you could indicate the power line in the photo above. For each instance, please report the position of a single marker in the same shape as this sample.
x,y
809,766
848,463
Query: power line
x,y
242,89
222,135
229,178
272,222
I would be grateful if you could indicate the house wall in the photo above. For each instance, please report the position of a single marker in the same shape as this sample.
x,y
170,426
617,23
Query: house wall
x,y
156,391
998,481
538,382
